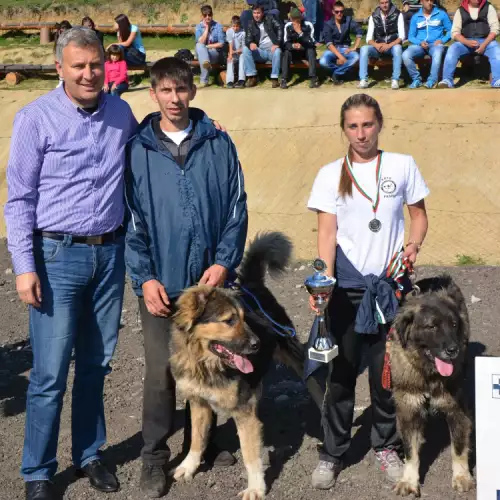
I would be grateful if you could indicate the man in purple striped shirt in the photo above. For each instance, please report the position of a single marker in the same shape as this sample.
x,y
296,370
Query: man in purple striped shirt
x,y
64,219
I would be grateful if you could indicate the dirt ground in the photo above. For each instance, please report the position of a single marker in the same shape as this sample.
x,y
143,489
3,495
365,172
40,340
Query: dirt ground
x,y
291,421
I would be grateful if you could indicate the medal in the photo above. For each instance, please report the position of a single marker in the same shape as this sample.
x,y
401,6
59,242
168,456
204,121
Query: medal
x,y
374,225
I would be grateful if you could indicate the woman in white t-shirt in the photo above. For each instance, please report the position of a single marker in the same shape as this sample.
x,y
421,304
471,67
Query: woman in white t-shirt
x,y
360,202
130,40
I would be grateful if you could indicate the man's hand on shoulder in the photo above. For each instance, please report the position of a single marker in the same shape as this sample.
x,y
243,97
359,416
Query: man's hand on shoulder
x,y
214,276
156,298
29,289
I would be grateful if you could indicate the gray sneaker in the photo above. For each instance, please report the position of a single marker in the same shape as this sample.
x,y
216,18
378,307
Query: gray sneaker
x,y
325,475
391,464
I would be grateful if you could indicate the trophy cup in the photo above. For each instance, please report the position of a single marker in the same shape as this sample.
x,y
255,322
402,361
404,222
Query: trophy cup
x,y
320,286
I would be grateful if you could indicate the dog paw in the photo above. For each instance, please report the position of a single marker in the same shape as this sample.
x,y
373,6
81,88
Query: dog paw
x,y
183,474
462,482
405,488
252,494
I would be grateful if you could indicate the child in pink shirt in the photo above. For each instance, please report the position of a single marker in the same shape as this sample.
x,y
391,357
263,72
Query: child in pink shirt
x,y
115,72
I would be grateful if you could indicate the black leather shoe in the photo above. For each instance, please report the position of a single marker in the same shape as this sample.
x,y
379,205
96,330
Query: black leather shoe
x,y
39,490
153,480
99,477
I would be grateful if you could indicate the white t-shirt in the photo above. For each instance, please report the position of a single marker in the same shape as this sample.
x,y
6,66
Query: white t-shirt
x,y
401,183
264,42
178,137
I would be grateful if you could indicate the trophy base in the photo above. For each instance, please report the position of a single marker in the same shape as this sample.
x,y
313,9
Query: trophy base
x,y
323,356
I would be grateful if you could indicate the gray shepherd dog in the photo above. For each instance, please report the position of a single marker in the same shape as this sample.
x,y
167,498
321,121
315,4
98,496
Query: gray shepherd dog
x,y
430,338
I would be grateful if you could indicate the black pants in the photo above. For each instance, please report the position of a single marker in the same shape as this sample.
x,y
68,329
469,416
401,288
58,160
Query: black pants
x,y
288,55
159,391
339,402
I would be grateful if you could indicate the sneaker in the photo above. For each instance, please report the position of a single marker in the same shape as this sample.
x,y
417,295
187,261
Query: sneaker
x,y
275,83
229,85
314,84
204,85
283,84
394,84
207,65
363,84
391,464
496,84
153,481
240,84
430,84
325,475
415,84
251,81
445,84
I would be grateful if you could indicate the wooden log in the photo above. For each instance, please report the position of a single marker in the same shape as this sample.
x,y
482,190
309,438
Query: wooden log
x,y
44,35
13,78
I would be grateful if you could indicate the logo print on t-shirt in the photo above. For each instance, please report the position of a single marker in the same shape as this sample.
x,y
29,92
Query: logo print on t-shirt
x,y
388,186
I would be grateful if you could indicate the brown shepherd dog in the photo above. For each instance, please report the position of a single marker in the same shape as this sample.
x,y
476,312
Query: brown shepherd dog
x,y
431,335
221,353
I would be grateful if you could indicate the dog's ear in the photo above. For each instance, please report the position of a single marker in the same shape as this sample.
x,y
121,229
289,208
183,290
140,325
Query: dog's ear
x,y
402,325
191,306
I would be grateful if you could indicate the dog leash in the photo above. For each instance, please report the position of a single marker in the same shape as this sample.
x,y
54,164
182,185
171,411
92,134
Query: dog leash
x,y
281,330
397,269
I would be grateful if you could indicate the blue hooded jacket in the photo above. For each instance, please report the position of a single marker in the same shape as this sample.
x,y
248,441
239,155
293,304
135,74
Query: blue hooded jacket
x,y
430,30
182,221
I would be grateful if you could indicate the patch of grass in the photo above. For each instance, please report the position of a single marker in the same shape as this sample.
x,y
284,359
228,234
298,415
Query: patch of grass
x,y
469,260
18,39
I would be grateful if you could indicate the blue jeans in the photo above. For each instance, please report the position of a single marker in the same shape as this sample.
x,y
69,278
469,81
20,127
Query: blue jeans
x,y
262,56
435,51
240,61
119,90
314,14
458,50
369,52
329,61
82,295
133,56
204,55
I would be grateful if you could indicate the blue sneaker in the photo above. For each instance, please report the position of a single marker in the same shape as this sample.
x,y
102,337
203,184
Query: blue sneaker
x,y
415,84
496,84
446,84
430,84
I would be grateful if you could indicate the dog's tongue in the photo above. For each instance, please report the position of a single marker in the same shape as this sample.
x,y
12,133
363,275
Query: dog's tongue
x,y
243,364
443,367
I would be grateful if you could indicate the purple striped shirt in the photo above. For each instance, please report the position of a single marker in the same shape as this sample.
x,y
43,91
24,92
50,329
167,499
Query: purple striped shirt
x,y
65,171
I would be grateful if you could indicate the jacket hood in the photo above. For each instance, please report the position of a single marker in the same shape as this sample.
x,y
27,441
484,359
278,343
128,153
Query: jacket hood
x,y
203,130
465,4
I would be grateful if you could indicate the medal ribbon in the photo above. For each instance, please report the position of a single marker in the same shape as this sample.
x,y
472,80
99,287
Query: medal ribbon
x,y
378,176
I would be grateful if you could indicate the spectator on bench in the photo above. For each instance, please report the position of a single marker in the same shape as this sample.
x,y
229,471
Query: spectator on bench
x,y
235,37
60,29
130,40
339,57
210,41
475,27
88,22
263,39
299,36
115,72
385,35
270,7
430,29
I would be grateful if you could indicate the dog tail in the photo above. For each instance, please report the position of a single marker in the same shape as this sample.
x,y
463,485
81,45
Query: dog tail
x,y
268,251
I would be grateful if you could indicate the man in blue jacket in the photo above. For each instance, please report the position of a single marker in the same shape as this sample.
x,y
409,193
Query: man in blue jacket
x,y
187,225
339,57
430,29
